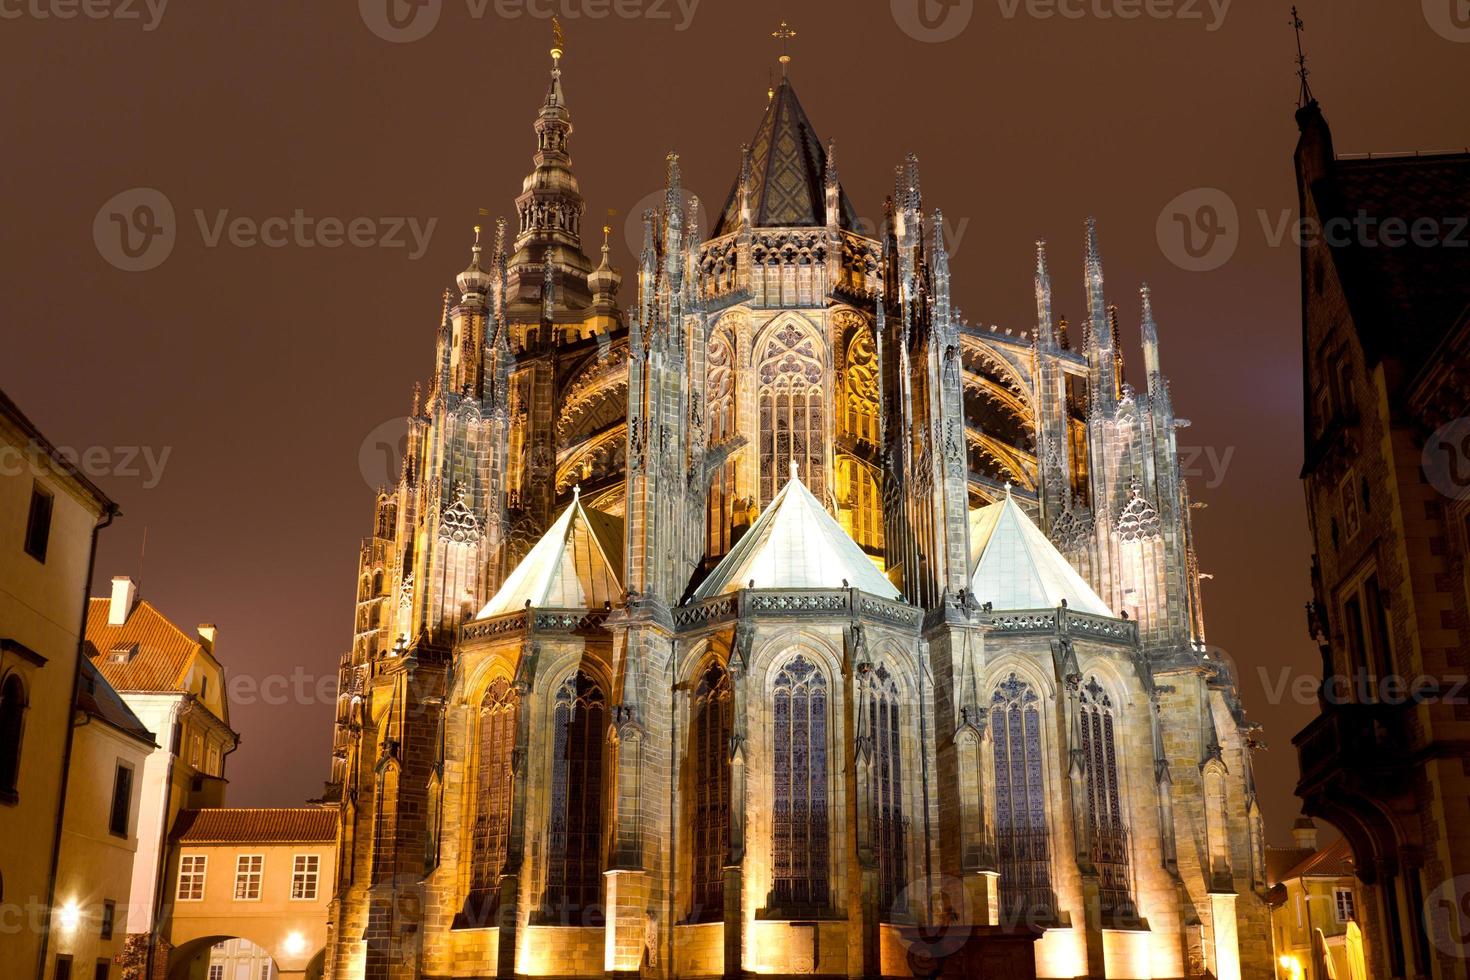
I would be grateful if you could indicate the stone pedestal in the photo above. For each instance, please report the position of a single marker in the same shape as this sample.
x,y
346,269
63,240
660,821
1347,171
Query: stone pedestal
x,y
955,950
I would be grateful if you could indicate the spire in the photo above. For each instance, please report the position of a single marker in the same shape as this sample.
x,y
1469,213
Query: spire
x,y
785,185
1097,306
605,280
1046,335
1150,341
1304,97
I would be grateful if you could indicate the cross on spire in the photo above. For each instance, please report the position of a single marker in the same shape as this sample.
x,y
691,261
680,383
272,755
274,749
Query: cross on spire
x,y
785,33
1305,98
558,43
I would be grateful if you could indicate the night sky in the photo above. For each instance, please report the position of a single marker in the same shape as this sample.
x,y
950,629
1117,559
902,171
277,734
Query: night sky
x,y
262,371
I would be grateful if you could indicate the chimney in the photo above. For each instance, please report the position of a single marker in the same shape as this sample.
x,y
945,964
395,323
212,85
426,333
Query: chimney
x,y
207,632
1304,833
124,594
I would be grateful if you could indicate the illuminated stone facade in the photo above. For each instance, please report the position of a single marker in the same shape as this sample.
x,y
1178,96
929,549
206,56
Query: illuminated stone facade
x,y
737,631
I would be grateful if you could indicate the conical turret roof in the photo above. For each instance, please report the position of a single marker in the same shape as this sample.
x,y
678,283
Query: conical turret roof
x,y
576,565
1016,567
788,172
796,544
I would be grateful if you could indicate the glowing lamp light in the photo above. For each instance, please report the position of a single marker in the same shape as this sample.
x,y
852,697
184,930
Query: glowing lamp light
x,y
295,944
1291,967
70,916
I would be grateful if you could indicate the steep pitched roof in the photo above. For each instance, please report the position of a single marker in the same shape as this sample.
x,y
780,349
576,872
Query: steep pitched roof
x,y
577,564
1333,861
788,172
1016,567
1404,299
1281,860
164,652
96,698
796,544
284,825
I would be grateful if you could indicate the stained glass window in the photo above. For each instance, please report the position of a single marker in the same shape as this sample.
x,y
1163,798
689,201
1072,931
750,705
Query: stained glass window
x,y
792,411
710,729
574,838
1104,805
888,821
799,709
494,787
1023,842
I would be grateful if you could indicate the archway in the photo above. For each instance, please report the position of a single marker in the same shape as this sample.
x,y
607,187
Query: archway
x,y
237,958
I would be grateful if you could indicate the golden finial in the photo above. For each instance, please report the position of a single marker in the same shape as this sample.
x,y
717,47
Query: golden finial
x,y
606,232
477,234
784,34
558,41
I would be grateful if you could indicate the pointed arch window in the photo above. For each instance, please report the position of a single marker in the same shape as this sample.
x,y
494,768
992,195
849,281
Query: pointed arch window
x,y
793,415
1023,843
495,788
799,744
574,838
711,721
1109,833
889,837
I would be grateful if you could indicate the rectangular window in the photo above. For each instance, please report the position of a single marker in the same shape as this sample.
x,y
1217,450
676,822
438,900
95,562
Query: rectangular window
x,y
1342,903
304,870
265,971
38,528
104,968
63,968
213,769
248,868
1351,516
109,917
196,751
191,877
122,801
1300,903
216,971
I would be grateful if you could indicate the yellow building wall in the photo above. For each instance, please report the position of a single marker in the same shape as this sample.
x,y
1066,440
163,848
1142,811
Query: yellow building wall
x,y
40,608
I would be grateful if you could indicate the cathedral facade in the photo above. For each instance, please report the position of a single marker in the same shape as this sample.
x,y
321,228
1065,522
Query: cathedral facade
x,y
783,623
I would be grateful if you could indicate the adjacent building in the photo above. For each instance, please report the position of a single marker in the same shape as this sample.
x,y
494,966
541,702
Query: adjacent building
x,y
50,515
1314,910
100,833
1385,280
250,891
741,632
170,679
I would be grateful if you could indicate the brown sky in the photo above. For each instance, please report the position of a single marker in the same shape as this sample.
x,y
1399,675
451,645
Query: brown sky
x,y
261,371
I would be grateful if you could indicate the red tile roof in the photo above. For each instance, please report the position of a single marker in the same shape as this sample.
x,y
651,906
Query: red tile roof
x,y
164,651
1333,861
295,825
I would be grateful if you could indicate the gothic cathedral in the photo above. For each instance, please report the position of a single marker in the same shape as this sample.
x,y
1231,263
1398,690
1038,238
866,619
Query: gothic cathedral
x,y
782,617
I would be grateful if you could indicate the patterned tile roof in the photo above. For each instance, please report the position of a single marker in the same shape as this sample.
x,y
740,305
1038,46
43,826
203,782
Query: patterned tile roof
x,y
796,544
164,652
294,825
575,565
788,175
1280,860
1016,567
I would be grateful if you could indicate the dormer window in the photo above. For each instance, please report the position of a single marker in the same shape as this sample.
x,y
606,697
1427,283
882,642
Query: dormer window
x,y
122,653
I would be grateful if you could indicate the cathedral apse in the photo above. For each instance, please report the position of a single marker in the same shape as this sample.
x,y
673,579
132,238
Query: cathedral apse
x,y
753,626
